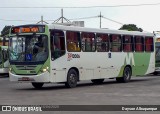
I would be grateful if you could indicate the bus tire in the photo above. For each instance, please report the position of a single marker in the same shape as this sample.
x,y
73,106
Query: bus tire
x,y
37,85
126,75
72,78
97,81
155,73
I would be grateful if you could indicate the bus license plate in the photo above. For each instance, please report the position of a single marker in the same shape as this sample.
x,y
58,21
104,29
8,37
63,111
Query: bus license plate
x,y
25,79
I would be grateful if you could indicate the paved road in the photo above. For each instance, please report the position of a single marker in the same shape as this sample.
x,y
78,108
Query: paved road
x,y
140,91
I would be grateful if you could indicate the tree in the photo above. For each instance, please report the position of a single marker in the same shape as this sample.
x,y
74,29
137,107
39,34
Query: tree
x,y
131,27
5,31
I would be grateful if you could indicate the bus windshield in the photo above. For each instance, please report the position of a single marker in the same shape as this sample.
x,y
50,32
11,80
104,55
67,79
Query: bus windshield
x,y
28,49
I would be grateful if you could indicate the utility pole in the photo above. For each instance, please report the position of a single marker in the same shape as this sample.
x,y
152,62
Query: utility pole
x,y
42,21
100,16
62,18
62,15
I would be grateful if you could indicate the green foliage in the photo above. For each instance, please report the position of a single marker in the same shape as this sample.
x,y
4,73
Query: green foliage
x,y
131,27
5,30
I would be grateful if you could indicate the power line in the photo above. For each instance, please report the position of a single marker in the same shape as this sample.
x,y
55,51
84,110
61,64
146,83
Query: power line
x,y
98,17
125,5
17,20
68,19
113,20
84,18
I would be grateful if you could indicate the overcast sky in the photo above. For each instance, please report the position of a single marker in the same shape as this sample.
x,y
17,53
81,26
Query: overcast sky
x,y
146,17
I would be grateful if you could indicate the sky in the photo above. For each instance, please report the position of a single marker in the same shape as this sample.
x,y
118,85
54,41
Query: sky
x,y
19,12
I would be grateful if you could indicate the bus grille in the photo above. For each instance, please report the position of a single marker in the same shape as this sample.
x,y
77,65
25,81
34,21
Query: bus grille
x,y
25,67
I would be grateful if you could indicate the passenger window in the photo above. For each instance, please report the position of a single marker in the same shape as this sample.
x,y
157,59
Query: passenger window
x,y
73,41
116,44
88,42
149,44
102,42
128,43
57,44
139,44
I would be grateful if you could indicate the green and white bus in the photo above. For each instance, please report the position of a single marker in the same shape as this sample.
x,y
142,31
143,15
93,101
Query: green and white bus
x,y
40,54
157,63
4,62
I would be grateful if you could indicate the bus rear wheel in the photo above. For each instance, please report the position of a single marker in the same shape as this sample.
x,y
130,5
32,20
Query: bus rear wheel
x,y
37,85
72,79
126,75
97,81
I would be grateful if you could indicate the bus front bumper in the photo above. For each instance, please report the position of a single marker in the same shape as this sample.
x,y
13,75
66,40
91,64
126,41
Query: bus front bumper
x,y
3,70
44,77
157,69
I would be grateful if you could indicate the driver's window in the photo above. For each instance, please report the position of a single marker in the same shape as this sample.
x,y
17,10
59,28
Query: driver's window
x,y
57,44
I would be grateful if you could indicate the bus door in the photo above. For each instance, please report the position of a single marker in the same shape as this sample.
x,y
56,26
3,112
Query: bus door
x,y
5,58
57,55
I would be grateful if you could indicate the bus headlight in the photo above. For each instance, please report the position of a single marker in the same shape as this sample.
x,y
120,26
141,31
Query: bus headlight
x,y
45,69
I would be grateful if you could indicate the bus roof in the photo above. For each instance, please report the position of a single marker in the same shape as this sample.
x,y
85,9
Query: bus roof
x,y
108,31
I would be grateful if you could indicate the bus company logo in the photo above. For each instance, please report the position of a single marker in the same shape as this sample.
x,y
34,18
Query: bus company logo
x,y
6,108
70,56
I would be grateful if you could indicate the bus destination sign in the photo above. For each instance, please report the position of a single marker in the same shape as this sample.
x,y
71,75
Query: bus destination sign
x,y
28,29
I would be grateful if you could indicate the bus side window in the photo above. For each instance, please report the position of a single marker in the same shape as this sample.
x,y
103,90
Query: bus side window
x,y
139,44
149,44
128,43
102,42
88,42
73,41
57,44
116,44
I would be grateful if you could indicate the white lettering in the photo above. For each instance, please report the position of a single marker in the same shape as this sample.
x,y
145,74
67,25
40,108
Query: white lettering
x,y
128,108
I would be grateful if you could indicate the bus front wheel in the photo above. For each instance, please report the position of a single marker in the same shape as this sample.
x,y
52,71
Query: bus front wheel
x,y
126,75
72,79
37,85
